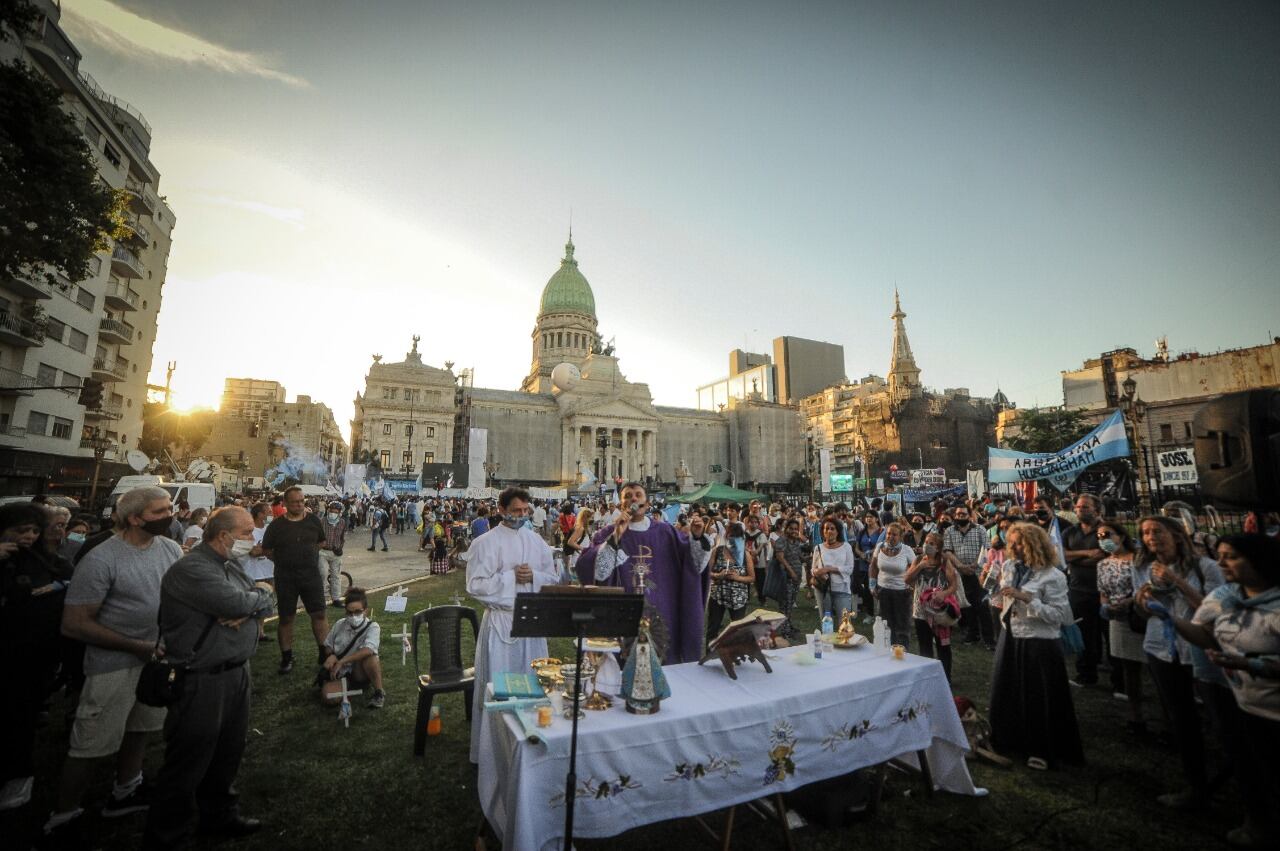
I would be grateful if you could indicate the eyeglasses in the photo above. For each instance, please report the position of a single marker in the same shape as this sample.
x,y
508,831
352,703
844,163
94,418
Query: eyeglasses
x,y
355,611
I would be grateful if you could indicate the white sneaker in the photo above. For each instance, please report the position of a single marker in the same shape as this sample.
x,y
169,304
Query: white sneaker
x,y
16,793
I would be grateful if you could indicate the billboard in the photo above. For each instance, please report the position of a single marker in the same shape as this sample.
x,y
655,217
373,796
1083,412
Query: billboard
x,y
841,483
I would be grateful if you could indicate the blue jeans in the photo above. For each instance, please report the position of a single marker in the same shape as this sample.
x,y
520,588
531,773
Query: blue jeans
x,y
837,602
373,538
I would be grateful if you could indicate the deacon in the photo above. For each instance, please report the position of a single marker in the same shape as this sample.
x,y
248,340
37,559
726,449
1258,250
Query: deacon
x,y
501,563
676,583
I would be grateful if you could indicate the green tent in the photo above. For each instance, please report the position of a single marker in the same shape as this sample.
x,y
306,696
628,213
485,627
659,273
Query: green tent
x,y
716,492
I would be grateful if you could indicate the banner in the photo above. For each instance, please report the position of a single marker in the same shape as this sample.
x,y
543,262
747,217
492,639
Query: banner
x,y
1106,441
928,478
1178,467
477,454
930,494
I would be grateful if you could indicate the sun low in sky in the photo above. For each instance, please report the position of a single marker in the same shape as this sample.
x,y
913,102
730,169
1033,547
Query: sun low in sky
x,y
1041,181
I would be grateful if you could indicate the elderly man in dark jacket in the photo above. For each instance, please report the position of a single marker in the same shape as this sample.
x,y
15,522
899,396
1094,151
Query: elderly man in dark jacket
x,y
208,612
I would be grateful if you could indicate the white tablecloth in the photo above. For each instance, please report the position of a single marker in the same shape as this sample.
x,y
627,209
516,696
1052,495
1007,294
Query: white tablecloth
x,y
718,742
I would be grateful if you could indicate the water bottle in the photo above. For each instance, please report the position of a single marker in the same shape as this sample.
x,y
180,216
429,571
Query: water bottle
x,y
828,626
877,634
817,644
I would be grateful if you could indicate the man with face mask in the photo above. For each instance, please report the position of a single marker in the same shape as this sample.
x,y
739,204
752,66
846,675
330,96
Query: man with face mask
x,y
677,584
1044,515
1080,545
968,542
209,613
508,559
112,607
335,535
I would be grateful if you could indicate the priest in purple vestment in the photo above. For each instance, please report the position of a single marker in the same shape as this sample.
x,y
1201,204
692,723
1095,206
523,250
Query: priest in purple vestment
x,y
676,583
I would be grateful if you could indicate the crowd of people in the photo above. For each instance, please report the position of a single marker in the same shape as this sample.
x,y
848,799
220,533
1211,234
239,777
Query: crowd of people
x,y
85,609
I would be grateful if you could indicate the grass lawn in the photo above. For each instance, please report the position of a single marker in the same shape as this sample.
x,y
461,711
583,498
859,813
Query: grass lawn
x,y
316,785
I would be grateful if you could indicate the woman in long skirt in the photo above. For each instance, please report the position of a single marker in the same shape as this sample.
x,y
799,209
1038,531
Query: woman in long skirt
x,y
1031,708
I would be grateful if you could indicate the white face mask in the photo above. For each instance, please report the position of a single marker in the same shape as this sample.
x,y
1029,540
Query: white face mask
x,y
357,621
240,548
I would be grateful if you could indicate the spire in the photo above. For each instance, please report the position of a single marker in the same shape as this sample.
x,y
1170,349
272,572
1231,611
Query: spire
x,y
904,375
568,250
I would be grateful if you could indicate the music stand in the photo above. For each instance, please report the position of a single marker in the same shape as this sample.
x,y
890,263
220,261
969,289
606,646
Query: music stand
x,y
575,615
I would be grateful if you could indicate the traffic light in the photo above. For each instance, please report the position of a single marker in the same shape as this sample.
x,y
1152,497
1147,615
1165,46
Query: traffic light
x,y
91,394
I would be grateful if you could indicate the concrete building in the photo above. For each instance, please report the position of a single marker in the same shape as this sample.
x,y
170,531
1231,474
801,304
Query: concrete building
x,y
1173,386
805,367
250,399
307,430
102,327
582,423
875,423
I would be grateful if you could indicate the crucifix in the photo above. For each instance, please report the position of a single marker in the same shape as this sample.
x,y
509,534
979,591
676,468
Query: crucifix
x,y
344,711
406,646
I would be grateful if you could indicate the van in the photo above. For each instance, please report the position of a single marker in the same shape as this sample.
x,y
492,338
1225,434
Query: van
x,y
197,494
128,483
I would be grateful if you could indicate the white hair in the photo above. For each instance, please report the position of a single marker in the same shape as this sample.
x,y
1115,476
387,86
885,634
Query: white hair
x,y
133,503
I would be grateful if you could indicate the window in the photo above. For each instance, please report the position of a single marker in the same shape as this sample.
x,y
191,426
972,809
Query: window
x,y
1186,430
110,153
385,456
78,340
84,298
408,430
37,423
46,376
428,458
386,428
69,380
56,330
431,431
62,428
1166,432
406,458
92,133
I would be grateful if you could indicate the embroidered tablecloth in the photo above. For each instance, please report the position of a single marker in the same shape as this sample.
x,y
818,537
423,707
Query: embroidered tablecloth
x,y
718,742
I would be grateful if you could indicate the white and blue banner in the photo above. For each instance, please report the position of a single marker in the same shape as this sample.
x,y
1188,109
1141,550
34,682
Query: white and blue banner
x,y
1106,441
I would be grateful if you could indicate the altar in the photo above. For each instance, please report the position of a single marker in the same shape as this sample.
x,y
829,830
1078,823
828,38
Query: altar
x,y
718,742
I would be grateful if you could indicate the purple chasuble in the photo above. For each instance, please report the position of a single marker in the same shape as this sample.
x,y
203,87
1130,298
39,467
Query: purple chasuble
x,y
676,589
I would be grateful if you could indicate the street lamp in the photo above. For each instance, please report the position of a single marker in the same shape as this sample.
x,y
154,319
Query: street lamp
x,y
1135,410
99,444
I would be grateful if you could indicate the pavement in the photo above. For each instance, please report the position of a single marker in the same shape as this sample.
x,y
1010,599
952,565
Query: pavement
x,y
376,569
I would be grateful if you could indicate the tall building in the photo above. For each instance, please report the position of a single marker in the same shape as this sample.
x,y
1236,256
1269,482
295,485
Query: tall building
x,y
804,367
874,424
575,426
102,327
306,430
250,399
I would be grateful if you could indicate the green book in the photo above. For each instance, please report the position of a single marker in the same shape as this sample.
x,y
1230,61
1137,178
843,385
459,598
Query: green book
x,y
508,685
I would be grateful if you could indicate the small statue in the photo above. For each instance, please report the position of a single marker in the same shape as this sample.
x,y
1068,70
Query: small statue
x,y
644,686
846,627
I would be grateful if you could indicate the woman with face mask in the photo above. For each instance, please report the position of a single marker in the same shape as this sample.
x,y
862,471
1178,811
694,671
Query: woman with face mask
x,y
732,575
993,572
1115,590
934,572
32,590
890,561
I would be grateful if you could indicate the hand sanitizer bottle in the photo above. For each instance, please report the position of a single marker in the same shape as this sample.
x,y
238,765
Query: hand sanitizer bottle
x,y
817,644
877,634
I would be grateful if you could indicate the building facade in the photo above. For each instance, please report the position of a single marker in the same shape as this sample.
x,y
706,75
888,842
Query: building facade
x,y
805,367
250,399
103,327
577,420
875,424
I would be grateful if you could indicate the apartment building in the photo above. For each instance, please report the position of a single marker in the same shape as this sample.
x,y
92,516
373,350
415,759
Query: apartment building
x,y
104,327
250,399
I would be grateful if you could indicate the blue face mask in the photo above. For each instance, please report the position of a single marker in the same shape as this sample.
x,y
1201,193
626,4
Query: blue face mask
x,y
1107,545
512,521
77,537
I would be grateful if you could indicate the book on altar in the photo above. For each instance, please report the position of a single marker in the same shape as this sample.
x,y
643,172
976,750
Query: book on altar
x,y
757,625
519,686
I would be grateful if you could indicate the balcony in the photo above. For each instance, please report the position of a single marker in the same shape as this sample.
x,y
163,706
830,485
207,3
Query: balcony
x,y
125,263
120,297
12,432
32,285
108,446
108,372
137,230
115,331
17,331
108,411
14,383
140,196
55,53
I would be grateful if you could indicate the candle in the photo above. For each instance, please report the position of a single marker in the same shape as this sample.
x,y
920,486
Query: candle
x,y
899,652
544,715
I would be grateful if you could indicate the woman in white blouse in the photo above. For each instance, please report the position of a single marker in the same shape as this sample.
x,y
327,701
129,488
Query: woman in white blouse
x,y
1031,708
833,562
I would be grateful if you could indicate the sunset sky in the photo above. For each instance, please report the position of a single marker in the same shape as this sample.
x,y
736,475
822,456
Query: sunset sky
x,y
1041,181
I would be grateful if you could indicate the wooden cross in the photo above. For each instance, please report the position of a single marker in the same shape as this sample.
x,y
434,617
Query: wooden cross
x,y
344,710
406,646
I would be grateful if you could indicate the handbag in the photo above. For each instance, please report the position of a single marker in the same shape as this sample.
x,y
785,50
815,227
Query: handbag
x,y
161,682
1072,639
775,585
822,584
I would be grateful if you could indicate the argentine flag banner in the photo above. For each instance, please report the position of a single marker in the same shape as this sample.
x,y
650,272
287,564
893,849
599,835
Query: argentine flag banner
x,y
1106,441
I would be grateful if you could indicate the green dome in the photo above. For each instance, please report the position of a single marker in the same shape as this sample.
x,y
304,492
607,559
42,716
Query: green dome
x,y
567,291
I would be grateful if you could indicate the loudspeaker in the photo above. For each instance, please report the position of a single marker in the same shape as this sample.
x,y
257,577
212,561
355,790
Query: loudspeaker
x,y
1237,441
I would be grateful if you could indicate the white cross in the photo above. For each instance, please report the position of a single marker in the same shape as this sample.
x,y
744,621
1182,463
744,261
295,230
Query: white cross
x,y
406,646
344,711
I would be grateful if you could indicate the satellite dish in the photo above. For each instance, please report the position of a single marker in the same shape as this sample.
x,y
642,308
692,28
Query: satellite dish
x,y
197,469
137,459
565,377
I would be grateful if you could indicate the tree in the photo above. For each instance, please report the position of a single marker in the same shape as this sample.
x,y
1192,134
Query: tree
x,y
163,429
1048,430
55,213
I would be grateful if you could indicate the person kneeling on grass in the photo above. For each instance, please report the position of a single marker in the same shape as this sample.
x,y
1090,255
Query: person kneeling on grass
x,y
351,648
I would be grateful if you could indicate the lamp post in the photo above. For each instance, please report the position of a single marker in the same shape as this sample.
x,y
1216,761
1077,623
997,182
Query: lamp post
x,y
99,444
1135,410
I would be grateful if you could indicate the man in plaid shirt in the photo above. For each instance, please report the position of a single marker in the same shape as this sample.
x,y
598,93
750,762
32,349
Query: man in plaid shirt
x,y
968,541
335,535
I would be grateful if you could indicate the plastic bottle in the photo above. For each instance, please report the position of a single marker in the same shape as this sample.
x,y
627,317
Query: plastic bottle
x,y
877,634
817,644
433,722
828,626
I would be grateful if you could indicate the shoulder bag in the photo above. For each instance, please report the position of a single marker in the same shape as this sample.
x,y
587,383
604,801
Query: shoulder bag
x,y
161,682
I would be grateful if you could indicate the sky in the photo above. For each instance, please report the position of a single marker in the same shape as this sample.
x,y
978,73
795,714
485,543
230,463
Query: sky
x,y
1041,181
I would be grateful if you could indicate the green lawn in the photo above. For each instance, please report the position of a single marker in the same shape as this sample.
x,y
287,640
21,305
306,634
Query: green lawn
x,y
316,784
